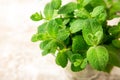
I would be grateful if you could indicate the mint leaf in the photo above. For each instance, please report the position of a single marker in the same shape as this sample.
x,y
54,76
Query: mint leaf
x,y
97,11
61,59
52,28
75,68
76,57
114,56
68,8
95,3
44,43
102,17
34,38
85,2
48,11
77,25
92,32
115,7
114,30
78,44
63,34
81,13
78,62
42,28
56,4
84,63
116,43
98,57
36,16
49,46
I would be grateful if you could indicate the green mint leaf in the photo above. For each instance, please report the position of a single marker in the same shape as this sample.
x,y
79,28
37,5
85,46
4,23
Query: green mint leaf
x,y
78,44
56,4
52,28
36,16
95,3
98,57
78,62
59,21
76,58
49,46
92,32
84,64
42,28
114,30
97,11
75,68
68,8
44,43
114,54
63,34
108,68
80,1
85,2
102,17
114,8
61,59
77,25
48,11
66,21
116,43
34,38
45,52
81,13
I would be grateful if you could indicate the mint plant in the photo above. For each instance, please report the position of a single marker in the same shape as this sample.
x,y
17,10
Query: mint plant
x,y
77,32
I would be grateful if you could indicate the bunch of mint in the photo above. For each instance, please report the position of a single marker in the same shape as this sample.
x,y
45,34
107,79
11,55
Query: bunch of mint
x,y
77,32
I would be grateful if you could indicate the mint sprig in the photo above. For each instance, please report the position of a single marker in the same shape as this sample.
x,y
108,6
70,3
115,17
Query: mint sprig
x,y
78,32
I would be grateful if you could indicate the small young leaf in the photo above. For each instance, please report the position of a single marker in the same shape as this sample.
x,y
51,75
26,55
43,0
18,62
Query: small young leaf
x,y
76,57
61,59
48,11
75,68
56,4
35,38
68,8
98,57
97,11
84,64
78,62
77,25
36,16
102,17
92,32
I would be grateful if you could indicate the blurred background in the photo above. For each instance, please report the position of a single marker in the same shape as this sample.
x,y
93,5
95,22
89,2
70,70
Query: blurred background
x,y
20,59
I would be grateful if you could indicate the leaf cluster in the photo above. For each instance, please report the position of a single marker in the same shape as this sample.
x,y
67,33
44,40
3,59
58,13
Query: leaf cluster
x,y
77,32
